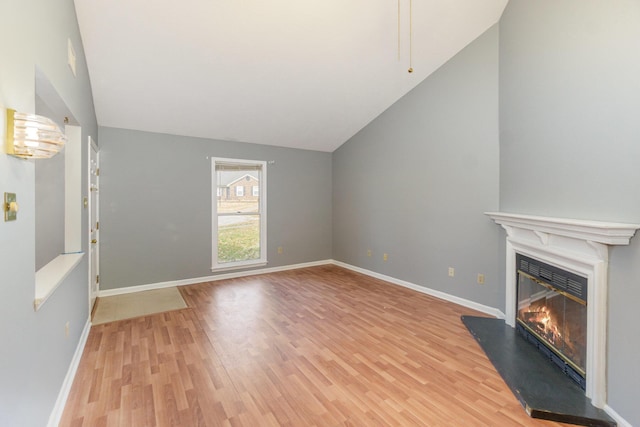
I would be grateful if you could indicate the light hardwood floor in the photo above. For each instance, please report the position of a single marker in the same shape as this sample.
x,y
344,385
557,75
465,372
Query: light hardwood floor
x,y
321,346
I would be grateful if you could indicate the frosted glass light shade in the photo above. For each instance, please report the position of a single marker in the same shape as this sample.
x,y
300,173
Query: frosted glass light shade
x,y
32,137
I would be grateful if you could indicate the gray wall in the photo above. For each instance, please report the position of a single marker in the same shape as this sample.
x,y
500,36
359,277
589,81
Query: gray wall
x,y
415,182
155,213
49,209
35,355
570,141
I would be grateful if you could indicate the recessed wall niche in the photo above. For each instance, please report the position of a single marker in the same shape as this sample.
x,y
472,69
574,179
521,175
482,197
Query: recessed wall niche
x,y
56,218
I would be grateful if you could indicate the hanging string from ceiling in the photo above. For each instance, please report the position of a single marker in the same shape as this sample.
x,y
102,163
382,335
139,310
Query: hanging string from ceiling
x,y
410,70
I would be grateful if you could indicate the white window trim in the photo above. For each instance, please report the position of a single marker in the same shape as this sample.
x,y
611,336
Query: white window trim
x,y
239,190
215,266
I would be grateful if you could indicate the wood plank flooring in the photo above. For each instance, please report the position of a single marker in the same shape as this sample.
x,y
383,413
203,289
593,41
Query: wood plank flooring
x,y
320,346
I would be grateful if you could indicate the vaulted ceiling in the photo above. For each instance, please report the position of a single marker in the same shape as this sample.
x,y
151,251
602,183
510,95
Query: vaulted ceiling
x,y
295,73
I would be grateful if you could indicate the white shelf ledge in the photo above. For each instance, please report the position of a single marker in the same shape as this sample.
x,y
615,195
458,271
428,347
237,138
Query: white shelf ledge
x,y
49,277
608,233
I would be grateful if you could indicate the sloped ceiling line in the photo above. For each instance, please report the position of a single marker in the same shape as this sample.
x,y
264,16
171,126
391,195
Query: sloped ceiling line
x,y
307,74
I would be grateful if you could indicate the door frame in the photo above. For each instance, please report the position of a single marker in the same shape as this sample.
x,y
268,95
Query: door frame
x,y
93,198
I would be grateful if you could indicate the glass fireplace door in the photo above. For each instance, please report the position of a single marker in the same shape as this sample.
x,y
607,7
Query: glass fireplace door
x,y
556,317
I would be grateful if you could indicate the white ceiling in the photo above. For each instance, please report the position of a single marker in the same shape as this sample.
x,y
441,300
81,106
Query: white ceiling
x,y
295,73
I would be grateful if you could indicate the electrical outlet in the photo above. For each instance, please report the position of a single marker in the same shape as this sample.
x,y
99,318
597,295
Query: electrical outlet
x,y
481,279
66,329
452,271
368,252
385,257
279,249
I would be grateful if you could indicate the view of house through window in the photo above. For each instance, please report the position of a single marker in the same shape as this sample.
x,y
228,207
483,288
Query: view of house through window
x,y
239,221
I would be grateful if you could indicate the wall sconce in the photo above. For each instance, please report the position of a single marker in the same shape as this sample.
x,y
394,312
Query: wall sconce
x,y
30,136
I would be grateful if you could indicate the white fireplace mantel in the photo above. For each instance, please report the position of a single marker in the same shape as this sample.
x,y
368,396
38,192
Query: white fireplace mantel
x,y
609,233
578,246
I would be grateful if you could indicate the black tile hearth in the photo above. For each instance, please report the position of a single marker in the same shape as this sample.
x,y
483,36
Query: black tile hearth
x,y
543,390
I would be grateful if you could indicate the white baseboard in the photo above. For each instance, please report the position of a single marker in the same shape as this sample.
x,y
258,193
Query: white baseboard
x,y
183,282
422,289
613,414
63,394
438,294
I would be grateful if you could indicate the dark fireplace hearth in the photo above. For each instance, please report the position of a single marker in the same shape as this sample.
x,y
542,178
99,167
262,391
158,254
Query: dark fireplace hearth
x,y
542,390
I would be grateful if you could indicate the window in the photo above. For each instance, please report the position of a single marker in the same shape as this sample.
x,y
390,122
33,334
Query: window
x,y
239,226
255,191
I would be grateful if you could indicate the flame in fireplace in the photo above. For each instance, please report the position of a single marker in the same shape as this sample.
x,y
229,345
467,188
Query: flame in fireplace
x,y
543,322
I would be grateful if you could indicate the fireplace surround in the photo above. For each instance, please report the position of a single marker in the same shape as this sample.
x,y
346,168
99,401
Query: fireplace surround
x,y
581,248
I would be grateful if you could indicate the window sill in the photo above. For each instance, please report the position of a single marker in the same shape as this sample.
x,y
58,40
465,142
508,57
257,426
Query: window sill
x,y
49,277
239,266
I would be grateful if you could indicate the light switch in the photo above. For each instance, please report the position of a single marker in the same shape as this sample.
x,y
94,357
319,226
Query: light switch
x,y
10,207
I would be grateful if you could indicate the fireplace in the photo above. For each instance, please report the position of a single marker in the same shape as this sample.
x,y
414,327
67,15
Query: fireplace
x,y
551,313
577,253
